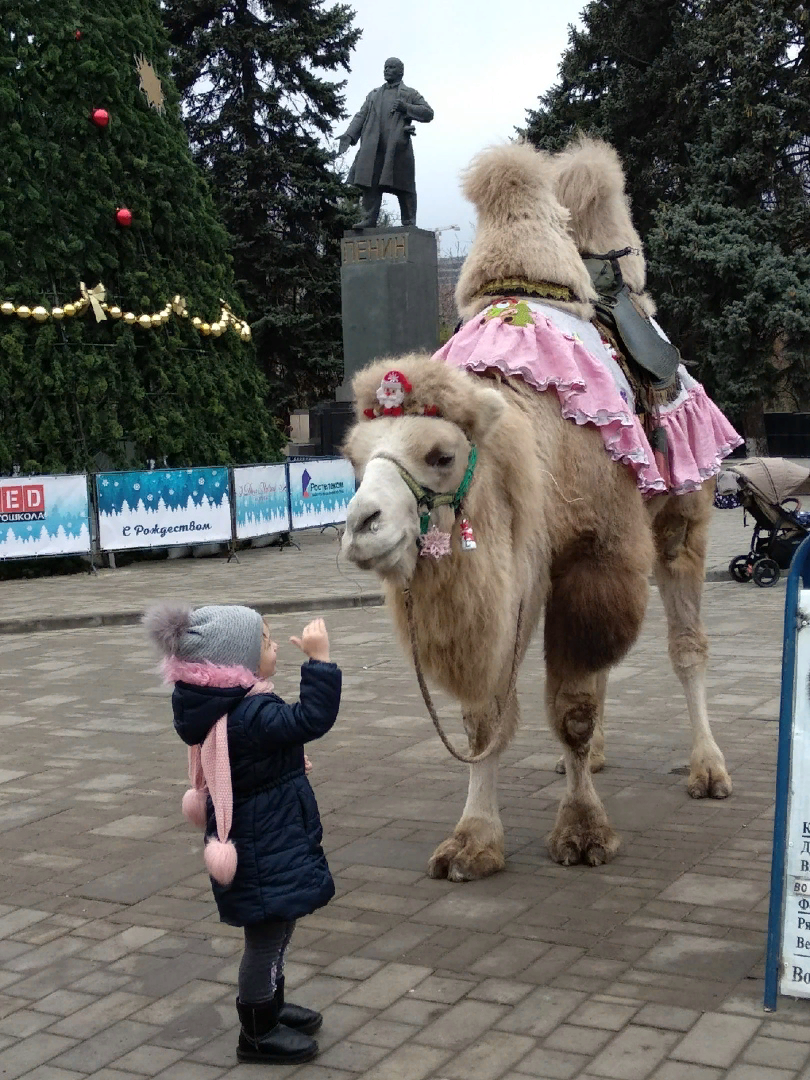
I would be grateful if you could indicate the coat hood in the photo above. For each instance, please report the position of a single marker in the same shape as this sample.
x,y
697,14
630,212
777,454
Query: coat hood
x,y
197,708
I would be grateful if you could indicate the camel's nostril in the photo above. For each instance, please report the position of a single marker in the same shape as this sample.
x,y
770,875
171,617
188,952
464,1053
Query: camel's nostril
x,y
370,523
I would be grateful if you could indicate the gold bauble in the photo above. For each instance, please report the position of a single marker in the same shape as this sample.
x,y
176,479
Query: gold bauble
x,y
40,313
130,318
7,308
205,329
196,321
245,333
166,312
145,321
216,328
57,313
69,309
23,311
115,312
157,319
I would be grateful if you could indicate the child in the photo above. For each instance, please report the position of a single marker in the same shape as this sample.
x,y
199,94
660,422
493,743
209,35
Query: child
x,y
262,830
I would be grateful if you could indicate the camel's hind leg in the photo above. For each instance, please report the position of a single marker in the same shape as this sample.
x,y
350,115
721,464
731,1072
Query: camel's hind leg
x,y
680,532
582,832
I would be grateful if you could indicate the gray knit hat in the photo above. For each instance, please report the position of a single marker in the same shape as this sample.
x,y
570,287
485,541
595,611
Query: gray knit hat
x,y
226,635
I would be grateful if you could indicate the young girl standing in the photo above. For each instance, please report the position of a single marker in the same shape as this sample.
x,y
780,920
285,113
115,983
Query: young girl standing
x,y
249,789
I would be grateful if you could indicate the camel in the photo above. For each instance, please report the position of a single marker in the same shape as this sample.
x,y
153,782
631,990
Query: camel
x,y
496,489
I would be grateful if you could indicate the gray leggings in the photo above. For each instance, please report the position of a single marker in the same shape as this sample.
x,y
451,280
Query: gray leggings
x,y
263,960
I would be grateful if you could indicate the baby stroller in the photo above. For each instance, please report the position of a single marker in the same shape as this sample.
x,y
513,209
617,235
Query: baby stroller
x,y
767,490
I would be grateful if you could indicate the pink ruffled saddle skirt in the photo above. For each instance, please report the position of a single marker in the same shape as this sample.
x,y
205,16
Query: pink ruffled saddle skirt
x,y
552,350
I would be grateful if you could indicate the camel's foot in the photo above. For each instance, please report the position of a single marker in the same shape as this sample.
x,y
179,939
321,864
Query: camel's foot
x,y
475,850
582,834
596,760
709,779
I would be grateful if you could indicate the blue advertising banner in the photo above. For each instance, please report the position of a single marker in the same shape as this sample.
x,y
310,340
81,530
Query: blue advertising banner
x,y
44,515
261,505
320,491
163,508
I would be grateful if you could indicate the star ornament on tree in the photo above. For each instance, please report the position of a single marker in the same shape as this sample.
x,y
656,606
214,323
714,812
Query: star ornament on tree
x,y
149,83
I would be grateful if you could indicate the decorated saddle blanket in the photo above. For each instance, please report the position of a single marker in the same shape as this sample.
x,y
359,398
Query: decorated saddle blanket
x,y
551,349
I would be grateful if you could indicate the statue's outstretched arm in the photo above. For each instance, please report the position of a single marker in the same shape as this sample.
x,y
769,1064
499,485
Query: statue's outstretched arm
x,y
355,128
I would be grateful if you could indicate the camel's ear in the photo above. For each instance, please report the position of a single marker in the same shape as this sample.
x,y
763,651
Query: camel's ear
x,y
489,407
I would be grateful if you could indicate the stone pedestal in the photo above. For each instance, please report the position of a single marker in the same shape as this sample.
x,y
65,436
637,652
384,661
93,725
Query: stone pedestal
x,y
390,296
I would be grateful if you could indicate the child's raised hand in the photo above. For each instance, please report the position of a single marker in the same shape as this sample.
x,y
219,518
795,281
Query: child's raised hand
x,y
314,641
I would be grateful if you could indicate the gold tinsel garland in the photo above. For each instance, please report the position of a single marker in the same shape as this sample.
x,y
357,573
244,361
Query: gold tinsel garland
x,y
95,298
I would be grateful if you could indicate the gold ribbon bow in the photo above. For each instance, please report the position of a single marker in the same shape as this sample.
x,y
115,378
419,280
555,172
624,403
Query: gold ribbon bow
x,y
96,299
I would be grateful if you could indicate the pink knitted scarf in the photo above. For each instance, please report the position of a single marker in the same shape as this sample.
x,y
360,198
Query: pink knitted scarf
x,y
209,766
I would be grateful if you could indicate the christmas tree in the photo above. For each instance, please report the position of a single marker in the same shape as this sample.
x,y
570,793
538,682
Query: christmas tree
x,y
121,335
259,98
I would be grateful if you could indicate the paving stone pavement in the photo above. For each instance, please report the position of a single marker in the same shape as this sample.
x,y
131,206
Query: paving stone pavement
x,y
113,964
266,578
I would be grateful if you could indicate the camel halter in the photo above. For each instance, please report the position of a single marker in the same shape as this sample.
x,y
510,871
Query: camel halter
x,y
427,500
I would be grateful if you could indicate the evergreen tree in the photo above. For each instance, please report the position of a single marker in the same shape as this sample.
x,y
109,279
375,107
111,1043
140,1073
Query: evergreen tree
x,y
257,105
74,390
708,103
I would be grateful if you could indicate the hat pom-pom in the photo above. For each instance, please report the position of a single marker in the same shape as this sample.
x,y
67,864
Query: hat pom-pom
x,y
195,807
220,860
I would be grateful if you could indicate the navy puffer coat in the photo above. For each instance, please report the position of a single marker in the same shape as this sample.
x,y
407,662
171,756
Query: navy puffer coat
x,y
281,871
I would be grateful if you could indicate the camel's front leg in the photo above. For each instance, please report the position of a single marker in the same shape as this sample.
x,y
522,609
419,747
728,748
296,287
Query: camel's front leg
x,y
680,531
475,850
582,832
596,755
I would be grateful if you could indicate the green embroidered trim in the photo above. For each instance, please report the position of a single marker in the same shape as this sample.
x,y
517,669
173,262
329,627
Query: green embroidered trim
x,y
516,313
545,289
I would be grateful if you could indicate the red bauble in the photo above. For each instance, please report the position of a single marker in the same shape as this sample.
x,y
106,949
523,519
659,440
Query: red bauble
x,y
78,35
100,117
123,217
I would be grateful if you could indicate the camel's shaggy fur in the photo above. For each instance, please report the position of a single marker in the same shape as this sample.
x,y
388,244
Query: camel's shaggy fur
x,y
589,182
561,530
522,229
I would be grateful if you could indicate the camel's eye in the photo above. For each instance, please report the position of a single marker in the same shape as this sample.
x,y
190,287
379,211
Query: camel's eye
x,y
437,456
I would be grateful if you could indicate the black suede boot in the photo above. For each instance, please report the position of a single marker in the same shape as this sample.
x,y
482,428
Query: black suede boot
x,y
296,1016
264,1040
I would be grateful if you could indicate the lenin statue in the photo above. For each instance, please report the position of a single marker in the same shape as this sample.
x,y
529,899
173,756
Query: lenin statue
x,y
384,162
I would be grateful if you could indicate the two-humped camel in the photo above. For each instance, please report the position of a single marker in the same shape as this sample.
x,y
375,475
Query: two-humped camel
x,y
561,527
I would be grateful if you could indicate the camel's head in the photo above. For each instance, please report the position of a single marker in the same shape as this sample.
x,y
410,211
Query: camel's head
x,y
423,441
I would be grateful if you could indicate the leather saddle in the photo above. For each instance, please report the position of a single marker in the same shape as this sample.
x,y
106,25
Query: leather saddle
x,y
636,336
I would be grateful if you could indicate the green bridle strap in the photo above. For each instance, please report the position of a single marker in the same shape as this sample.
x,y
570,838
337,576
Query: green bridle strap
x,y
431,499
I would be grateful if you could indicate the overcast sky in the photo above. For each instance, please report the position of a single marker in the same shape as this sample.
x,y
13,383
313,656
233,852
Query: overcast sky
x,y
479,64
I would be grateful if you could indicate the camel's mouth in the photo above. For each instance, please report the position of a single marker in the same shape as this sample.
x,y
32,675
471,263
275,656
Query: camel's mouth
x,y
386,560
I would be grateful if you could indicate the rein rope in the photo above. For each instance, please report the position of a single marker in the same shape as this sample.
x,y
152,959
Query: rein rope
x,y
426,502
495,741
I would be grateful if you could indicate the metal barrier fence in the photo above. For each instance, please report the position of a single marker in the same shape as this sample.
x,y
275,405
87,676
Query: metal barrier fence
x,y
161,508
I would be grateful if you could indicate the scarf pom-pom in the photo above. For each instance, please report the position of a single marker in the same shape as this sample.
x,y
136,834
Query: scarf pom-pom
x,y
195,805
220,860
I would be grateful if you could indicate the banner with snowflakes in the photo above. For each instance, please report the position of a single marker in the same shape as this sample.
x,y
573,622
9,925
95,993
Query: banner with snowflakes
x,y
260,500
163,508
44,515
320,491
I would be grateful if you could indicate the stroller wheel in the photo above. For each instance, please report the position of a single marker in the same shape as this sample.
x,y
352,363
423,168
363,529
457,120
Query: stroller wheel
x,y
740,568
766,573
